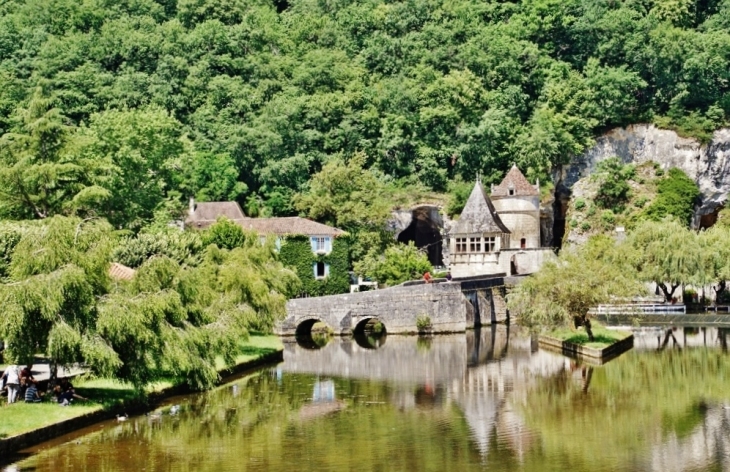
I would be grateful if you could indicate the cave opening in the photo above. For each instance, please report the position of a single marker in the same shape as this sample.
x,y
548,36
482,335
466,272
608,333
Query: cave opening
x,y
425,233
560,208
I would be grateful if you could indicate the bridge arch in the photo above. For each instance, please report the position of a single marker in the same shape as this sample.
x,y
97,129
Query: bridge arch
x,y
309,337
370,333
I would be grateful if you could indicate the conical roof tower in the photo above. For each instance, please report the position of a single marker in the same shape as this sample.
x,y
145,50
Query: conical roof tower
x,y
516,183
479,215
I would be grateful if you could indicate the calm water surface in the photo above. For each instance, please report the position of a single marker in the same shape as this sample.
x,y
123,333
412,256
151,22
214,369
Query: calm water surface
x,y
487,400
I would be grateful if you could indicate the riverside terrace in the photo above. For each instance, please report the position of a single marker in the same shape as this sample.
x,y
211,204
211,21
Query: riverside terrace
x,y
450,307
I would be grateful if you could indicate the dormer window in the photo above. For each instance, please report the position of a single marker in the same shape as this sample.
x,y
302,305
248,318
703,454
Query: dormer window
x,y
511,191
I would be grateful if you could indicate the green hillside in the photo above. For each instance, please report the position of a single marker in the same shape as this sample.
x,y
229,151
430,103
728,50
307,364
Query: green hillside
x,y
120,108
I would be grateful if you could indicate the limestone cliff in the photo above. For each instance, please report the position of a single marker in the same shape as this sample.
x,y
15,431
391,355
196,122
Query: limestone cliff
x,y
708,165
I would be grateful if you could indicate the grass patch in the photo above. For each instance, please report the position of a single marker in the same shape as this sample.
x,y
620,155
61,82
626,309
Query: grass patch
x,y
603,337
22,417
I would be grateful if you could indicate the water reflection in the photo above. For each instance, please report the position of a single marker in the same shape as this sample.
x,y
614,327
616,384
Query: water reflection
x,y
678,337
487,400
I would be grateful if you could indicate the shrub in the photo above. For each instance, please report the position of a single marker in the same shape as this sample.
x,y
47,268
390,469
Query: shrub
x,y
591,210
677,195
378,327
423,323
580,204
614,189
573,223
641,201
585,226
689,296
608,218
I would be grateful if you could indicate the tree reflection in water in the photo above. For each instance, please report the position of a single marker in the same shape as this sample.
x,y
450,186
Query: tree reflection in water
x,y
487,400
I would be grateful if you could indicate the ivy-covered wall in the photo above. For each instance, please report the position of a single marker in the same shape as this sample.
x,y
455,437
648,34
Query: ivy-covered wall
x,y
296,252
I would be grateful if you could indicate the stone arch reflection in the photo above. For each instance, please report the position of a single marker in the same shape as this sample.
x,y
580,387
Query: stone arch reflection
x,y
313,334
370,333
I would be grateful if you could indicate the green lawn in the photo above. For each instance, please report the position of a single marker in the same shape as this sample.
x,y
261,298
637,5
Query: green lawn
x,y
603,337
20,417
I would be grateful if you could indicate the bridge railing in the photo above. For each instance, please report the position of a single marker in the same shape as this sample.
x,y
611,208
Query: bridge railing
x,y
717,308
639,308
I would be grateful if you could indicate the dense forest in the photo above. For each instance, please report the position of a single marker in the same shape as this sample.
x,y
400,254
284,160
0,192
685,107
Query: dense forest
x,y
123,108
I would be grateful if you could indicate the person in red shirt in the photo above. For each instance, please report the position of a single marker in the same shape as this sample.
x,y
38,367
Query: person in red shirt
x,y
427,277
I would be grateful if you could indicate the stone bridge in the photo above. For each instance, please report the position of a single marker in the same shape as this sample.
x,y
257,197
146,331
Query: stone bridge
x,y
451,307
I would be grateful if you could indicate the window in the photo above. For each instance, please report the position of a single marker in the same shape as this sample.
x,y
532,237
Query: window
x,y
511,191
523,243
475,244
460,244
489,244
321,244
321,270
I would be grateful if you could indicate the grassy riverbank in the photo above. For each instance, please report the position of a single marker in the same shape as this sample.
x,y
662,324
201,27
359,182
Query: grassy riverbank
x,y
603,337
20,418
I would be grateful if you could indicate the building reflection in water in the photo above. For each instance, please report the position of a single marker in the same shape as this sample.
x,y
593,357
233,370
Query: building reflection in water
x,y
472,371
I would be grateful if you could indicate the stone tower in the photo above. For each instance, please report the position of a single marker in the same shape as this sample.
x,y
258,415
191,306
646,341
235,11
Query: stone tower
x,y
517,202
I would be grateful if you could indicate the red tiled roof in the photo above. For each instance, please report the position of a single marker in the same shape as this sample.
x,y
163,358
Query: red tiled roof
x,y
205,213
288,225
121,272
516,181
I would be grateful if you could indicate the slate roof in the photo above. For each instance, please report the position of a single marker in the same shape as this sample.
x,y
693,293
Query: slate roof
x,y
283,226
479,215
204,214
119,271
517,181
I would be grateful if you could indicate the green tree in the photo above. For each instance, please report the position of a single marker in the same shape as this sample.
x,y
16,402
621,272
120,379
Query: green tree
x,y
226,234
143,147
677,195
57,271
668,254
613,186
44,170
563,291
398,264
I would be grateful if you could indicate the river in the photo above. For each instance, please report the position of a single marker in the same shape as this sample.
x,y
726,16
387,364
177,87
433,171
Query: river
x,y
484,400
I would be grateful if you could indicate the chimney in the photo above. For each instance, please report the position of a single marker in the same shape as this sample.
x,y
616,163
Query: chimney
x,y
191,209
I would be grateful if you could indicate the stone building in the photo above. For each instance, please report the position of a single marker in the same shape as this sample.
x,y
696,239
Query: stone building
x,y
498,235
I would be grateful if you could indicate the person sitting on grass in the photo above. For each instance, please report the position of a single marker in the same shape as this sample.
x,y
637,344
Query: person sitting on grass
x,y
65,398
66,385
31,393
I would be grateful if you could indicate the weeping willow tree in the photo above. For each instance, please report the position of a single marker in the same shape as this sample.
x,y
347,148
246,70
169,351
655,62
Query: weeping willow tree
x,y
55,273
564,291
171,321
669,254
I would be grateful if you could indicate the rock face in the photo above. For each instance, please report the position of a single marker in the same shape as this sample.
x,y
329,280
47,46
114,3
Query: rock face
x,y
708,165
